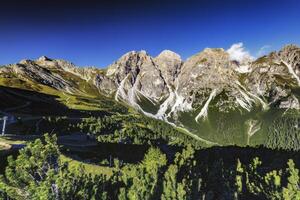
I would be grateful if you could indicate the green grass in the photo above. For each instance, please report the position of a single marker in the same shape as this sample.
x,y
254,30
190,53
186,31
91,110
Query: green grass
x,y
89,168
8,140
230,128
5,142
87,96
147,105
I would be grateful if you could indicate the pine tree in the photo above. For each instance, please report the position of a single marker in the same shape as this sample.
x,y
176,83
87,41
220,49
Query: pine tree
x,y
292,190
38,173
239,179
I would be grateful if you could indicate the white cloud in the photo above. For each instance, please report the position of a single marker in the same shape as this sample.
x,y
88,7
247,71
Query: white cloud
x,y
239,53
263,50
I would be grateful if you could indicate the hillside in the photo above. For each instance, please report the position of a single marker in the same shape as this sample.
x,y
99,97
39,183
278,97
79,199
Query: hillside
x,y
197,96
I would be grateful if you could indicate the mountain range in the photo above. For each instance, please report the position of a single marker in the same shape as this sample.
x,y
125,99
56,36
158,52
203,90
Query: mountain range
x,y
210,95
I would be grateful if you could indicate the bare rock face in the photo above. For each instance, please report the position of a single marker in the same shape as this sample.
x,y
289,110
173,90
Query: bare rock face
x,y
87,73
291,55
290,103
58,74
208,69
43,59
170,65
205,72
31,71
137,73
104,84
273,76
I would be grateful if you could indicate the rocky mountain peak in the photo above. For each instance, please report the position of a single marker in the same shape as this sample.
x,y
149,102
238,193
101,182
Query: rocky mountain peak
x,y
43,58
289,47
213,50
143,52
168,55
169,63
130,54
25,62
290,54
209,57
129,62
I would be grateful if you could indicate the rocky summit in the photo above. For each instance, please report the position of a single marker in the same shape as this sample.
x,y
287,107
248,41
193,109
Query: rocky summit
x,y
182,93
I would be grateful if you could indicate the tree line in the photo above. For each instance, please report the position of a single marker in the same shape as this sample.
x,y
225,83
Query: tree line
x,y
130,129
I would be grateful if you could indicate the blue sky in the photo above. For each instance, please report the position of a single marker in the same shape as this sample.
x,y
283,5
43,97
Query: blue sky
x,y
95,33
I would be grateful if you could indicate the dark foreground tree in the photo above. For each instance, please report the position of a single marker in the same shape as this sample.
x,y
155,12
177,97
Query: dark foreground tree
x,y
38,173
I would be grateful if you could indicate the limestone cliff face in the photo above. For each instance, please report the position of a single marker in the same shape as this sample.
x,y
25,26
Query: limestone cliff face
x,y
137,73
275,76
30,70
169,63
57,74
172,86
205,72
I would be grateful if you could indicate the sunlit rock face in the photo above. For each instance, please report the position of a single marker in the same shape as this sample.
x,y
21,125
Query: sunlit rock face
x,y
137,73
169,63
204,72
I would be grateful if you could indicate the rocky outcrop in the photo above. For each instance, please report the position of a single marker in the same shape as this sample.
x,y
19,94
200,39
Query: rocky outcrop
x,y
105,84
291,55
27,69
204,72
274,76
137,73
58,74
86,73
290,103
169,63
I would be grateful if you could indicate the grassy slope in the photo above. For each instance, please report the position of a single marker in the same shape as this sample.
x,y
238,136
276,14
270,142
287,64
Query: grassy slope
x,y
231,128
89,168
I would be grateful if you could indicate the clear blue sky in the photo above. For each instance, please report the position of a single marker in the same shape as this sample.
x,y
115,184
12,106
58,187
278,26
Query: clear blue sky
x,y
98,32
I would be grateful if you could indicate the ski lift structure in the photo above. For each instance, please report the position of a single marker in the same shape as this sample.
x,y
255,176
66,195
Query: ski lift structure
x,y
6,119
